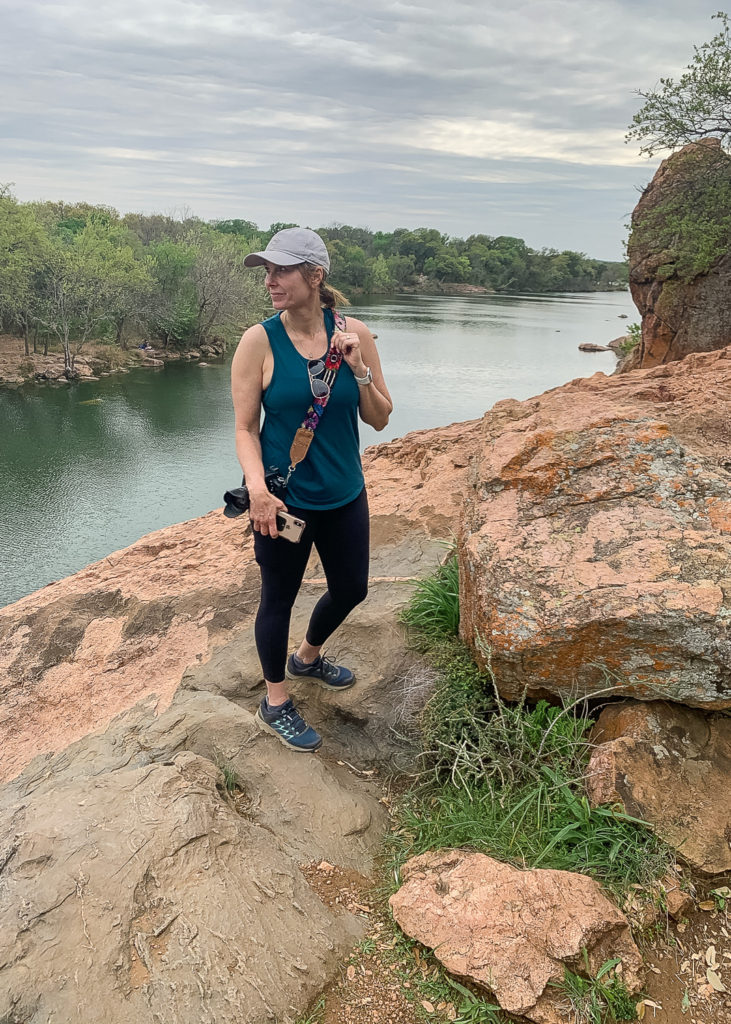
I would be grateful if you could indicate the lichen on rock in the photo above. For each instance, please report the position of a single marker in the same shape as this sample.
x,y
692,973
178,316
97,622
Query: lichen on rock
x,y
596,543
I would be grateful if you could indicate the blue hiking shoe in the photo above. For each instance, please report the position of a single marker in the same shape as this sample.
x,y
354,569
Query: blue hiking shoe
x,y
286,723
331,677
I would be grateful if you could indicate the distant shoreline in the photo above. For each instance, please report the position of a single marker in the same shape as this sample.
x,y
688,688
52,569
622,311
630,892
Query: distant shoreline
x,y
98,360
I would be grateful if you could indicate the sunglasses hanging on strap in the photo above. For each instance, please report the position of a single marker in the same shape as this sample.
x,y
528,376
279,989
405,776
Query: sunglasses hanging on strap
x,y
321,390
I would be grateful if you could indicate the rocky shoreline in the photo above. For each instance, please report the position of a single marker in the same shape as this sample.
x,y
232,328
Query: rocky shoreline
x,y
94,361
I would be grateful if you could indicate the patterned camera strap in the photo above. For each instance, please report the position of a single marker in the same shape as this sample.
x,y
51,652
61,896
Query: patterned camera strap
x,y
306,432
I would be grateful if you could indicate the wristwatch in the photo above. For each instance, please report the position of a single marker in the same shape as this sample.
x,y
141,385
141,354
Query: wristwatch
x,y
363,382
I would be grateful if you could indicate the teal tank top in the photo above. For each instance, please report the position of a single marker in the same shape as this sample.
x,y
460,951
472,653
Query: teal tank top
x,y
331,474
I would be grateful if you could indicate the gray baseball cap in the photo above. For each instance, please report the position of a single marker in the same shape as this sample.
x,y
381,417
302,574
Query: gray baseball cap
x,y
290,246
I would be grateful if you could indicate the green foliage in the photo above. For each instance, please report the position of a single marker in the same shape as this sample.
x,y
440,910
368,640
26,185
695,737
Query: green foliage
x,y
471,1009
366,947
72,272
603,999
721,897
690,228
230,778
22,250
697,106
461,698
634,332
383,261
433,612
315,1014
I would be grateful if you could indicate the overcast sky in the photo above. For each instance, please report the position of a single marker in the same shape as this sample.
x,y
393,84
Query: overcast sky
x,y
464,116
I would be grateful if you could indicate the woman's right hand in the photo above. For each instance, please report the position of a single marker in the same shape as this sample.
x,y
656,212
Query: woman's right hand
x,y
263,509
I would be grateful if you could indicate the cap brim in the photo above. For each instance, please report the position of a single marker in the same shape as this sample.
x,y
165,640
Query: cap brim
x,y
276,256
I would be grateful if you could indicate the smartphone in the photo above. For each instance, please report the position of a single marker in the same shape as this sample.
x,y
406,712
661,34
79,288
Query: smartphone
x,y
289,526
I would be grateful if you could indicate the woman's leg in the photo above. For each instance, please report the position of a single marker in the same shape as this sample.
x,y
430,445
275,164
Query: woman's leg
x,y
342,540
282,566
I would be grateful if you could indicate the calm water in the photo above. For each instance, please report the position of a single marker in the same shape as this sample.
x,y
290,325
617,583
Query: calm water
x,y
91,467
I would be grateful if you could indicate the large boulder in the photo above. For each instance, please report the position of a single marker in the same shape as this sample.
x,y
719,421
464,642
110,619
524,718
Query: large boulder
x,y
595,555
513,932
136,887
680,256
670,766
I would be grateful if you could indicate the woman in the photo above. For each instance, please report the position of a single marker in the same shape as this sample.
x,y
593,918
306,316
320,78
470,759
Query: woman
x,y
279,365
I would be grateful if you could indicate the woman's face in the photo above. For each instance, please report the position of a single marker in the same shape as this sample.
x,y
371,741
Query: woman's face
x,y
288,286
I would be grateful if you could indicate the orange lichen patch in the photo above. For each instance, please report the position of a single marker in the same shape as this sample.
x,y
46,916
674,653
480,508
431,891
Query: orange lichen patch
x,y
719,513
652,432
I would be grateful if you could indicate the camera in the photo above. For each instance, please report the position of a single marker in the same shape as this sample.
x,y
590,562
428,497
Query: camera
x,y
237,499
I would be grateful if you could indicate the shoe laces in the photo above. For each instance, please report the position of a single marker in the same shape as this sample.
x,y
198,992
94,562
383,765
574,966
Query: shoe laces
x,y
328,668
291,717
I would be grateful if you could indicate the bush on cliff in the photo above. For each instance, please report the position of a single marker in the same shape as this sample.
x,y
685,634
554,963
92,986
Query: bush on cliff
x,y
696,106
689,227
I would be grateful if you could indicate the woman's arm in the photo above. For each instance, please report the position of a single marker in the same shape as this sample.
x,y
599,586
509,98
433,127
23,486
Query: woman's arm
x,y
360,353
246,386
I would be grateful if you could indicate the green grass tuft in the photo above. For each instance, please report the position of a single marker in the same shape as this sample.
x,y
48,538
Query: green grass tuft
x,y
315,1014
603,999
433,613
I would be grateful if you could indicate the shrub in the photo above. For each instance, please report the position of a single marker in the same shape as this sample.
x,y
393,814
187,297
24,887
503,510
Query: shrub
x,y
433,613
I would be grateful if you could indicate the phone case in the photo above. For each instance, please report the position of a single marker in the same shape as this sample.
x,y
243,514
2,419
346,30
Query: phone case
x,y
290,527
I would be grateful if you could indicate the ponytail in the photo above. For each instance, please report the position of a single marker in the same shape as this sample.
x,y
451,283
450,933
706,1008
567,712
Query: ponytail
x,y
329,297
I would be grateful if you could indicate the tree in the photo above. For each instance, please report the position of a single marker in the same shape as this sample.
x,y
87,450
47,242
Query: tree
x,y
85,272
21,248
173,304
697,106
380,281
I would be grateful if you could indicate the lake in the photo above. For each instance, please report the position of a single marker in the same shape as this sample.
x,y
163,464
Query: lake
x,y
90,467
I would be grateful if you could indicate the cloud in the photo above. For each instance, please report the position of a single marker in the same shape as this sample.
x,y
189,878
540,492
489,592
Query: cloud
x,y
474,114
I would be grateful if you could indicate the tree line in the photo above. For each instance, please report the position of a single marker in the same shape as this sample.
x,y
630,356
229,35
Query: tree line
x,y
381,262
74,271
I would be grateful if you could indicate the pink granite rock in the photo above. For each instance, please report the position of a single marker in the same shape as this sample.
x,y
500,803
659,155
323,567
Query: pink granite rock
x,y
510,931
596,547
670,766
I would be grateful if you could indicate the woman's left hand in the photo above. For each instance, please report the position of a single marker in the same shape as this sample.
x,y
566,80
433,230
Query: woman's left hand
x,y
348,343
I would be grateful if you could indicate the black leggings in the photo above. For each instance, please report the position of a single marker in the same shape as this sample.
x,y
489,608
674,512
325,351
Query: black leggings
x,y
341,538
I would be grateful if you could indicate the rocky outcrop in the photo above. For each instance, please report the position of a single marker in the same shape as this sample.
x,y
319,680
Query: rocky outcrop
x,y
682,294
512,932
669,766
596,549
179,604
140,877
